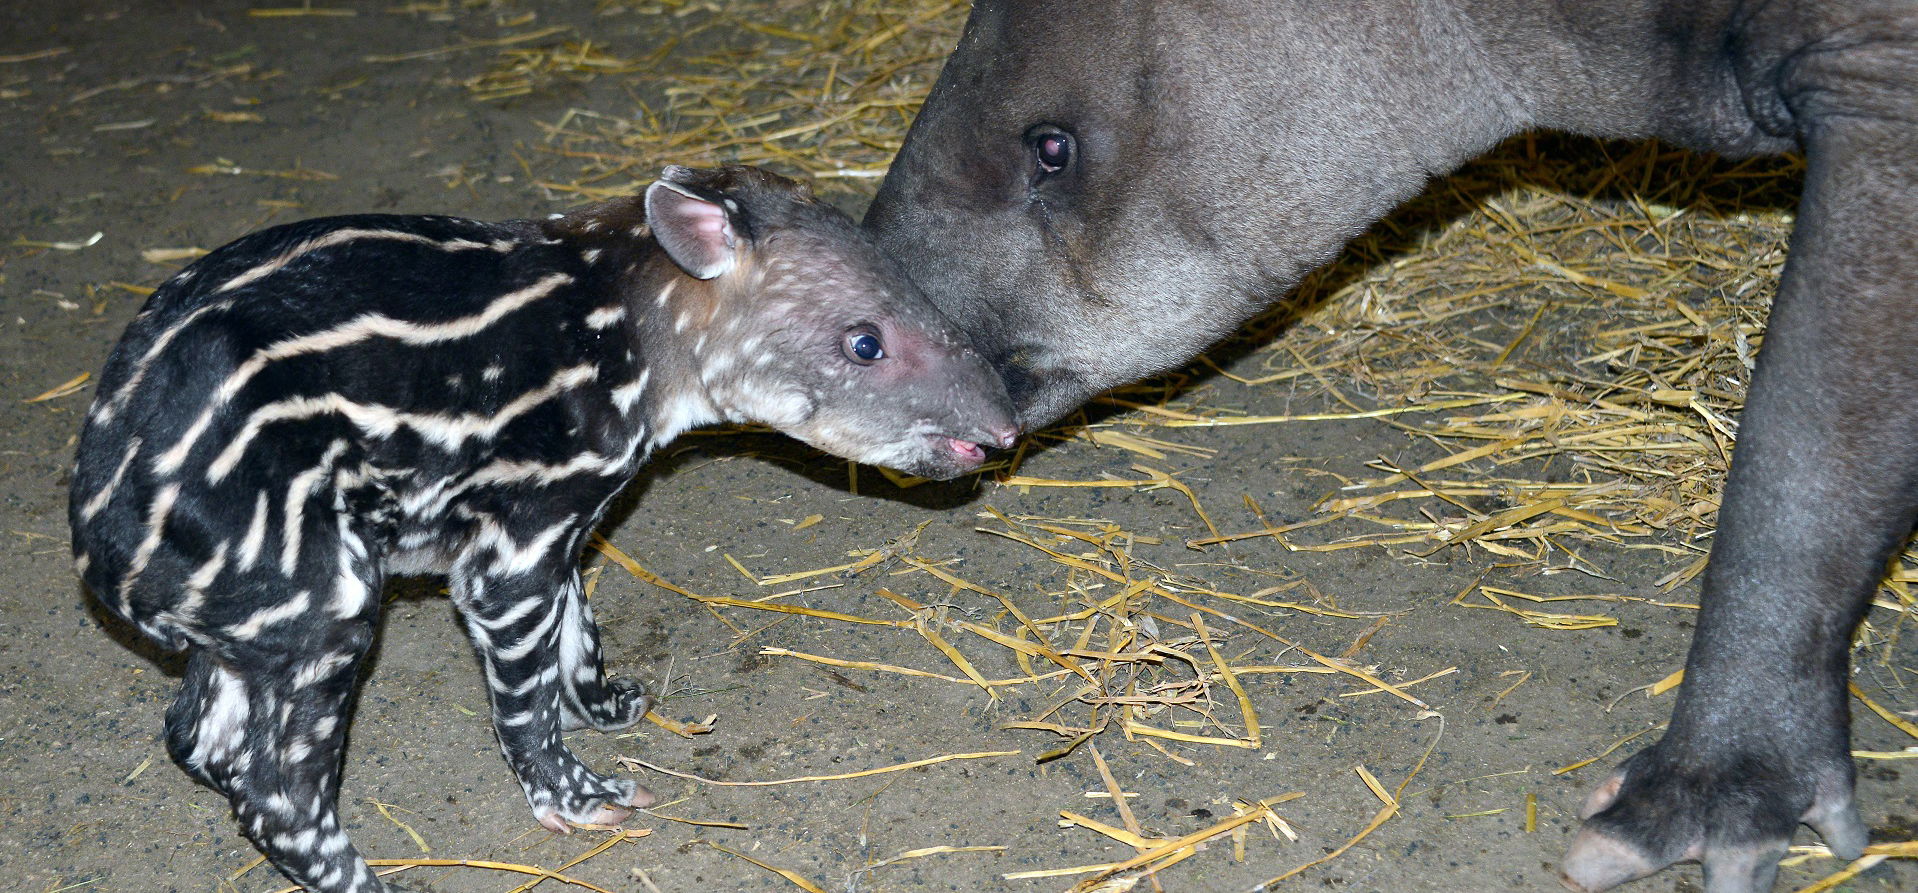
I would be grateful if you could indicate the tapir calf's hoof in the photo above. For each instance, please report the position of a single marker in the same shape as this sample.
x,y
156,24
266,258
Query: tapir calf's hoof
x,y
602,814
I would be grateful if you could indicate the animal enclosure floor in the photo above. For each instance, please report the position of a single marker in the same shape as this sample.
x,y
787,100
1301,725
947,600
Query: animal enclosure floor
x,y
166,128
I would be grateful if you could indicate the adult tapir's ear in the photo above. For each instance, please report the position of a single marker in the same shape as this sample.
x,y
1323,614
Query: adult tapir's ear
x,y
698,227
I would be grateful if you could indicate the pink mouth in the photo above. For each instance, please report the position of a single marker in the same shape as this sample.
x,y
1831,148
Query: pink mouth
x,y
966,450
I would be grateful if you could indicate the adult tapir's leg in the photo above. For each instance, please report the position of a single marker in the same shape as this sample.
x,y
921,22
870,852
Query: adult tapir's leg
x,y
1822,490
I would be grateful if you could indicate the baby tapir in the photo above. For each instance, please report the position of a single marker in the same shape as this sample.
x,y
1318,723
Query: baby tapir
x,y
314,407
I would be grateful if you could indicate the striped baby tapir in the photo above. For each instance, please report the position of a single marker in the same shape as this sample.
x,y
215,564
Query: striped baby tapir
x,y
312,408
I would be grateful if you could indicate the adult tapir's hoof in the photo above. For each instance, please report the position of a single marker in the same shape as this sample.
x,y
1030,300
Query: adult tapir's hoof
x,y
1735,815
1598,861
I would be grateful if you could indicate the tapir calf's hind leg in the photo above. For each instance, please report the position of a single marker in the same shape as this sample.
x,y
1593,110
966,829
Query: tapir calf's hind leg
x,y
267,730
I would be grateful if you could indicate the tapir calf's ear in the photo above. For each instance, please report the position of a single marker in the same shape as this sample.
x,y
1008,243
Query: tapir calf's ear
x,y
696,231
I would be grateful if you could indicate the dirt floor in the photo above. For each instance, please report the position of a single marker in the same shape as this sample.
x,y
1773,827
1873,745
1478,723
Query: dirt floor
x,y
129,130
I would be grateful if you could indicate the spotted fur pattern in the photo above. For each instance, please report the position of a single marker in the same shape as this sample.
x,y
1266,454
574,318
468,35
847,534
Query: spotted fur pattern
x,y
315,407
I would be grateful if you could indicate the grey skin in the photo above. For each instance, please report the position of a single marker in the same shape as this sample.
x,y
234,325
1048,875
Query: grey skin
x,y
1221,150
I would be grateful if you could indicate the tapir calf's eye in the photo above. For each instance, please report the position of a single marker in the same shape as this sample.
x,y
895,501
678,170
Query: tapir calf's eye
x,y
862,346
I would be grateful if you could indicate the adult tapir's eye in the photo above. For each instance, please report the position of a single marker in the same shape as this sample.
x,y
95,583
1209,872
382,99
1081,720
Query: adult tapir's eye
x,y
862,345
1052,149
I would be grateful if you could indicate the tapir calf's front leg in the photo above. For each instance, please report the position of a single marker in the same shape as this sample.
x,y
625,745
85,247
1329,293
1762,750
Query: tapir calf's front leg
x,y
534,636
589,700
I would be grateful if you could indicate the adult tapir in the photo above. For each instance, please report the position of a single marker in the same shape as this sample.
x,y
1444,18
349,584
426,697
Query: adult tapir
x,y
1099,189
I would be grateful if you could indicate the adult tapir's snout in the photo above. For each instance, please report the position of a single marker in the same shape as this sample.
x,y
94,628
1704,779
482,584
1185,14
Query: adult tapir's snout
x,y
1041,202
948,217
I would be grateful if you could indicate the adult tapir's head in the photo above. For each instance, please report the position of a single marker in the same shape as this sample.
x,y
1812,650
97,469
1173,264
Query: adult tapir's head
x,y
1098,190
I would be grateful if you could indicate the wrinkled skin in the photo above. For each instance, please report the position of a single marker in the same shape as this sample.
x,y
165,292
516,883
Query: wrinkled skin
x,y
1216,152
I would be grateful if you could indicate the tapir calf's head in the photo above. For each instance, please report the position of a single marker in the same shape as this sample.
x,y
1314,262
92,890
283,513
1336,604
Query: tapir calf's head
x,y
1098,190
